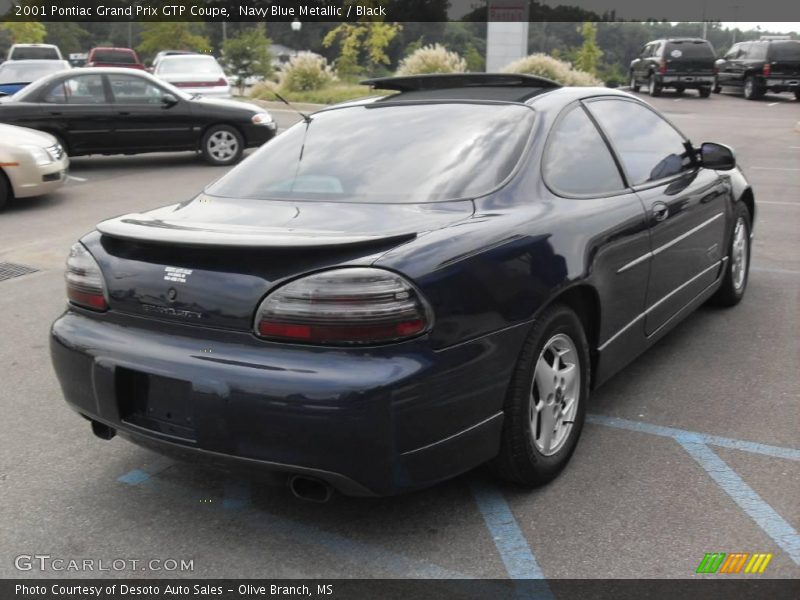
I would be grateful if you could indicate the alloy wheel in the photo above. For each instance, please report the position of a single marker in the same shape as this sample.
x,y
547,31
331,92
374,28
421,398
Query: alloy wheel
x,y
739,255
222,145
555,393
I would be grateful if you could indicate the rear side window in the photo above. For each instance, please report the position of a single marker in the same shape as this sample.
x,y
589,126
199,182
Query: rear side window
x,y
789,50
648,146
577,161
679,50
392,153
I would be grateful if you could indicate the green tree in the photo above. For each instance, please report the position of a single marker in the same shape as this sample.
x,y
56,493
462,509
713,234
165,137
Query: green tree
x,y
247,55
173,36
22,32
362,44
68,36
588,56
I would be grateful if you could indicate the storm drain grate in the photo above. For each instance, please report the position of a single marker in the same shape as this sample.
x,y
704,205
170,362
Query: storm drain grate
x,y
11,270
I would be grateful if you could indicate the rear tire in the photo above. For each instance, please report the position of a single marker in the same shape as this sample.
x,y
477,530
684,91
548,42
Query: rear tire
x,y
679,91
797,94
752,91
5,191
737,269
704,92
222,145
546,403
634,86
654,87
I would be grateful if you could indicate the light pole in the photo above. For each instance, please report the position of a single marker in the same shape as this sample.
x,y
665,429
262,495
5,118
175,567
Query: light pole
x,y
296,27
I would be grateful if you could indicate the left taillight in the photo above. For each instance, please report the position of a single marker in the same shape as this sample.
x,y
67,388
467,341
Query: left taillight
x,y
85,284
355,305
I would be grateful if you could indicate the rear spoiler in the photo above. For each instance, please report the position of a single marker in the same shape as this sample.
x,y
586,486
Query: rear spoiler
x,y
438,81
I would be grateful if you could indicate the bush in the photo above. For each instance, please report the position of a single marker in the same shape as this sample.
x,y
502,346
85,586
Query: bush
x,y
552,68
331,94
432,59
304,72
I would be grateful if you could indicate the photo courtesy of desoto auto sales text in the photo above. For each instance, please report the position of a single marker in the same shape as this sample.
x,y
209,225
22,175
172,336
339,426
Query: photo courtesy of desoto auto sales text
x,y
399,300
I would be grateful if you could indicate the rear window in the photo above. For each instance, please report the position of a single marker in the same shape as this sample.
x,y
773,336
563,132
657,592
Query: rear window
x,y
784,51
387,153
117,57
677,50
200,64
34,54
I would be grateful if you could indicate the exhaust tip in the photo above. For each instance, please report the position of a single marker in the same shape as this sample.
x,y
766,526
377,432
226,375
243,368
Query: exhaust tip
x,y
310,489
104,432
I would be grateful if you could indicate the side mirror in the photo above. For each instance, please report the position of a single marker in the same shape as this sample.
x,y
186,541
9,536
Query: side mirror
x,y
717,156
169,100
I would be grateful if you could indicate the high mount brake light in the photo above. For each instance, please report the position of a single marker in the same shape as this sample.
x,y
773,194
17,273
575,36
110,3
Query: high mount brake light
x,y
85,284
359,305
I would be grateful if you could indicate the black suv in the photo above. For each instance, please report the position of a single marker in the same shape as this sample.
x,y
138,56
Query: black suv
x,y
757,67
678,63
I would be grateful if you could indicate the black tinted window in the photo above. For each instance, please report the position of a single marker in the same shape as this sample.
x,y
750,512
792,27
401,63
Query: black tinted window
x,y
648,146
84,89
34,53
114,57
388,153
577,160
678,50
788,50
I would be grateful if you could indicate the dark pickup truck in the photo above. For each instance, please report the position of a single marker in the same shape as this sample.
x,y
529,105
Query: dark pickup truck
x,y
760,66
679,63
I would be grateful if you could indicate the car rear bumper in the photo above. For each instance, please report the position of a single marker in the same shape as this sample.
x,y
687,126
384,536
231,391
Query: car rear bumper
x,y
782,84
687,81
370,421
207,91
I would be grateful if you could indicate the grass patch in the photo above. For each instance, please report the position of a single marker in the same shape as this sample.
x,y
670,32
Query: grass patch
x,y
332,94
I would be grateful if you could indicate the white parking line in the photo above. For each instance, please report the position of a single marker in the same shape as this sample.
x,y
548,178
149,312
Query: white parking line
x,y
773,104
774,169
73,178
780,203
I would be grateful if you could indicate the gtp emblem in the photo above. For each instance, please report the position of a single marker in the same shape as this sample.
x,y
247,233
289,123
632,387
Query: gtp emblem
x,y
176,274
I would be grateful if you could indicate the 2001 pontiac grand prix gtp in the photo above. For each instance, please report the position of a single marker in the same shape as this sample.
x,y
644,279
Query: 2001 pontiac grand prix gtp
x,y
397,290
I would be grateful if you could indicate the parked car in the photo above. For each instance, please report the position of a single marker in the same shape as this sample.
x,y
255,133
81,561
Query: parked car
x,y
120,111
32,163
114,57
16,74
760,66
397,290
34,52
678,63
157,58
194,74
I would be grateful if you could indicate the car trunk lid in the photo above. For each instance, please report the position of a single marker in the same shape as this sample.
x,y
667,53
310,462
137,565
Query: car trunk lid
x,y
211,261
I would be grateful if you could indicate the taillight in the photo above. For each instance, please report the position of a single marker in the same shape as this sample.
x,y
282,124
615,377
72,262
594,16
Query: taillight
x,y
221,81
767,69
85,285
358,305
662,67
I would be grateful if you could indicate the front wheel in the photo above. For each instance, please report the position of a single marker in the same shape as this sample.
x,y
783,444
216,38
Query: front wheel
x,y
5,191
222,145
734,282
704,92
654,87
546,403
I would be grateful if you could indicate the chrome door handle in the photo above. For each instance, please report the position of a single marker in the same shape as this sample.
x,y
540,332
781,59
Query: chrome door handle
x,y
660,211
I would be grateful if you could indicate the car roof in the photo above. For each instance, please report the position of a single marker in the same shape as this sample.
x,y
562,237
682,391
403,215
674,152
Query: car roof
x,y
186,56
118,49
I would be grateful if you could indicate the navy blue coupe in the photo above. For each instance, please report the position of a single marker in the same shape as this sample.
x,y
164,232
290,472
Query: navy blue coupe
x,y
399,289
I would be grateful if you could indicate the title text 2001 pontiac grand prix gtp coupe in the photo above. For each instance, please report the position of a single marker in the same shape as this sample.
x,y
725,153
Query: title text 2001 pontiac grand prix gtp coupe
x,y
396,290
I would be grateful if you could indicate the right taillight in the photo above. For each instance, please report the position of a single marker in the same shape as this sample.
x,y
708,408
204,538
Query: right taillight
x,y
85,284
357,305
767,69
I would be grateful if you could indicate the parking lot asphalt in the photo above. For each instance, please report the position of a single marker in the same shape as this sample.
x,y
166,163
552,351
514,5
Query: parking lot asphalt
x,y
693,448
